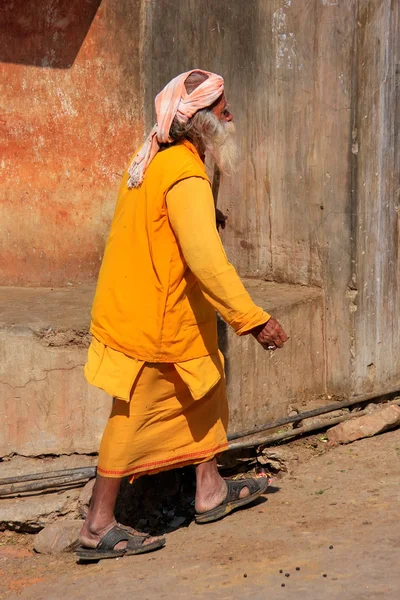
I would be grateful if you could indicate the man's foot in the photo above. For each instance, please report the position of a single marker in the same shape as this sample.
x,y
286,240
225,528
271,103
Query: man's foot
x,y
90,536
208,499
238,494
115,541
211,488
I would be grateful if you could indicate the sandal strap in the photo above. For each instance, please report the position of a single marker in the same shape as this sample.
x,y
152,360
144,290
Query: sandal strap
x,y
136,542
235,487
112,537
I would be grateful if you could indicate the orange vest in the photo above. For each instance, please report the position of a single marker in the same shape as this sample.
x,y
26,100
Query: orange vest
x,y
148,304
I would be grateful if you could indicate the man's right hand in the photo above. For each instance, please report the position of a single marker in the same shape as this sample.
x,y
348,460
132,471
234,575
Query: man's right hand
x,y
271,335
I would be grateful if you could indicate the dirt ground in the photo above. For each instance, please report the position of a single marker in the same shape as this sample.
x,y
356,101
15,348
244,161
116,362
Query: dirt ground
x,y
332,526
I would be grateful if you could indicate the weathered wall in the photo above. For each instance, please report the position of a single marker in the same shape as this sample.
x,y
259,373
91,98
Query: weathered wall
x,y
377,263
70,103
46,405
288,67
313,85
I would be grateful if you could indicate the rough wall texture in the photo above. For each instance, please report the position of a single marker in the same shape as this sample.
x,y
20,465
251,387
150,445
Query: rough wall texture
x,y
313,85
46,405
288,67
264,386
70,117
377,262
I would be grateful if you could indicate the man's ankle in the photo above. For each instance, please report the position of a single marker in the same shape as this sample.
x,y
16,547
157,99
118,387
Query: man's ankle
x,y
98,526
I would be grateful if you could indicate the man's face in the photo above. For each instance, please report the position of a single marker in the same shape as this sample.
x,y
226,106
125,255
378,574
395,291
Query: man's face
x,y
221,111
223,146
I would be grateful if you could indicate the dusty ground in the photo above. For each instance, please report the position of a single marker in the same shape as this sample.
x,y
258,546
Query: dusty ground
x,y
347,498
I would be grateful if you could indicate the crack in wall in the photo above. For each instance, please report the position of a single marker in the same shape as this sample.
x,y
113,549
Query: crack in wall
x,y
33,380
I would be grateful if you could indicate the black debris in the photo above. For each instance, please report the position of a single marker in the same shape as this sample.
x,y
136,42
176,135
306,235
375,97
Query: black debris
x,y
287,574
330,547
282,585
297,568
244,574
280,571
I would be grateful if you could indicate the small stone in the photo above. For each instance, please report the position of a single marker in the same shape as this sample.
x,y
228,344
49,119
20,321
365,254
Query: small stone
x,y
287,574
280,571
297,568
366,426
244,574
32,513
324,575
330,547
61,536
283,584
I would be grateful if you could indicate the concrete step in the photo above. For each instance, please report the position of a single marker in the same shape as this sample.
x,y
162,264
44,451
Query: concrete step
x,y
46,406
262,385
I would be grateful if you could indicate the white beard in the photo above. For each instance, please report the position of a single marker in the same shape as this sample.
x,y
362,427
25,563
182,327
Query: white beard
x,y
223,148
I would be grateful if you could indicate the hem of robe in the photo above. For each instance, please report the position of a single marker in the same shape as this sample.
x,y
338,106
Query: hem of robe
x,y
157,466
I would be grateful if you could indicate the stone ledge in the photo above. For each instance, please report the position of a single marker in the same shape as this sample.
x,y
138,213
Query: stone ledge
x,y
47,407
264,386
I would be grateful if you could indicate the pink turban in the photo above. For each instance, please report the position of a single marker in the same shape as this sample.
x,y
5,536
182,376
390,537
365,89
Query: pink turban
x,y
173,101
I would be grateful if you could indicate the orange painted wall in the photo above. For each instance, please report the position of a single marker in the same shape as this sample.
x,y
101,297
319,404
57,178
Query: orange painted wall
x,y
70,117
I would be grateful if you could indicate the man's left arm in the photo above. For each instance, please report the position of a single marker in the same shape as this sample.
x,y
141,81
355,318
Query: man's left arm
x,y
192,216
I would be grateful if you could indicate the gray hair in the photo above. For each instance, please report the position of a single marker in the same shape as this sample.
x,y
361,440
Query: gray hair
x,y
209,135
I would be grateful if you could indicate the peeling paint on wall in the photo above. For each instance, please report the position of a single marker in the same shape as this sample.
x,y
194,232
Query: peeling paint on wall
x,y
285,42
66,135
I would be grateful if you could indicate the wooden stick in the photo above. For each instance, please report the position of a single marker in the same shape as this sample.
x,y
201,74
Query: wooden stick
x,y
276,437
90,472
311,413
33,486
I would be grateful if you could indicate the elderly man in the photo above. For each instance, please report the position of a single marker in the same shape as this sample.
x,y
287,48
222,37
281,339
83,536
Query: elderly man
x,y
154,349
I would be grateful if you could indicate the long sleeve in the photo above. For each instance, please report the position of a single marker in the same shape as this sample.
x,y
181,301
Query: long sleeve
x,y
191,213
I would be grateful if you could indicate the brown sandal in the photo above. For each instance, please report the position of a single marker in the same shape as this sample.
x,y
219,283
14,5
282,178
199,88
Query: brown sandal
x,y
105,547
232,500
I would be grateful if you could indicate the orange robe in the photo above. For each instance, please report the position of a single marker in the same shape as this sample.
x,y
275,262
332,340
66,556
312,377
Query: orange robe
x,y
170,405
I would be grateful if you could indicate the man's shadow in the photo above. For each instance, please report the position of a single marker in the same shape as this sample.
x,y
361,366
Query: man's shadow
x,y
163,503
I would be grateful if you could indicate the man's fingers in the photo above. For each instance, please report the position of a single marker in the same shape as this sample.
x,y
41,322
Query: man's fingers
x,y
272,335
278,333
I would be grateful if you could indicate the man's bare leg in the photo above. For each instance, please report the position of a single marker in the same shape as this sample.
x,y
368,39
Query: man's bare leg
x,y
100,518
211,488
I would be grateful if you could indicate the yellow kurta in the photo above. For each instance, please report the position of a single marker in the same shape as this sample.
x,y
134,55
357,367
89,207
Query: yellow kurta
x,y
170,414
149,303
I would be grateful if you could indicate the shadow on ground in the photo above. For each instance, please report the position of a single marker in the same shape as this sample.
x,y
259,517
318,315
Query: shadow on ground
x,y
162,503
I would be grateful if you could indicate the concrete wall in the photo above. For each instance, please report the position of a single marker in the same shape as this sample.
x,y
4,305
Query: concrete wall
x,y
376,349
288,68
313,85
70,102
